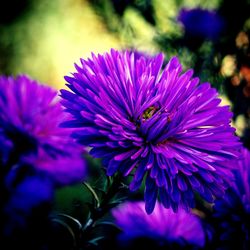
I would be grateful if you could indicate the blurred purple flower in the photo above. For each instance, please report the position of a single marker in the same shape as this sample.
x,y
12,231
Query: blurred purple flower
x,y
232,212
159,122
30,114
32,192
35,155
163,225
201,23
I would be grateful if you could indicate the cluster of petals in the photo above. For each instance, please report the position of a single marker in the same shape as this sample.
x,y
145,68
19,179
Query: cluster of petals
x,y
232,212
163,225
30,115
155,122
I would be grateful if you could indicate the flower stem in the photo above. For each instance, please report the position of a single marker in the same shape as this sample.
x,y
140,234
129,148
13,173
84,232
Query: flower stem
x,y
105,204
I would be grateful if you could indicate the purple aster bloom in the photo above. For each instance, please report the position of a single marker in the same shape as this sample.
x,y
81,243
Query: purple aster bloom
x,y
30,114
201,23
153,122
35,155
232,212
163,226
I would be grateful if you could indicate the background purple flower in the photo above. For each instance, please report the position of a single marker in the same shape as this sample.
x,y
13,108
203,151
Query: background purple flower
x,y
36,155
232,212
201,23
24,216
30,114
152,122
164,226
33,191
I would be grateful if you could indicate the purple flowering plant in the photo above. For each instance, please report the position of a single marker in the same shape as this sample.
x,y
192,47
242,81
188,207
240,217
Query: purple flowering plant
x,y
232,213
164,226
155,122
155,128
36,154
30,115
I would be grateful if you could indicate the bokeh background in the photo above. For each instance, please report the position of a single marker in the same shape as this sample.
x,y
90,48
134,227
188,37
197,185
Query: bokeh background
x,y
44,38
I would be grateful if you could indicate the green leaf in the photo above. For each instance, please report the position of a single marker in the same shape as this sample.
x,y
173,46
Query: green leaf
x,y
70,219
94,241
108,223
94,194
68,226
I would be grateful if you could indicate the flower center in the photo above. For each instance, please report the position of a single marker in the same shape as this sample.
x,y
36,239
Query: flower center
x,y
149,112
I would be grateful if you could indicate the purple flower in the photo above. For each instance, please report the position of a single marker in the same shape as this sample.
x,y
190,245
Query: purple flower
x,y
232,212
155,123
32,192
201,23
35,155
30,114
163,225
24,216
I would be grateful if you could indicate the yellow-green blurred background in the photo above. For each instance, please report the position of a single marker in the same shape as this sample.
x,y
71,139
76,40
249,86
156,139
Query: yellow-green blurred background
x,y
46,37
